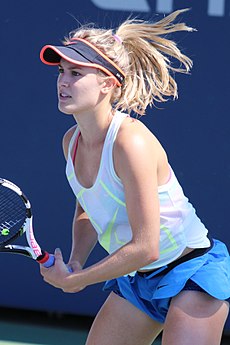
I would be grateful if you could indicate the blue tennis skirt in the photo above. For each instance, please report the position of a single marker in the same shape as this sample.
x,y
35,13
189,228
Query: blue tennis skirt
x,y
152,293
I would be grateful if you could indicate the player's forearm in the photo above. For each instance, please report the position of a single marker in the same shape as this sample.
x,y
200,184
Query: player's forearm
x,y
126,260
83,244
84,239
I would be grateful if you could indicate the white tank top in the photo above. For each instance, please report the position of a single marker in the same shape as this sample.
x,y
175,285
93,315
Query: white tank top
x,y
105,206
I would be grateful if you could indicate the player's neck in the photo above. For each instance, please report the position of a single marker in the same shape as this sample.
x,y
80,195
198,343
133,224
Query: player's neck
x,y
94,126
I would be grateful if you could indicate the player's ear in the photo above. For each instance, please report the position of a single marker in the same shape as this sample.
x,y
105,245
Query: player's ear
x,y
108,84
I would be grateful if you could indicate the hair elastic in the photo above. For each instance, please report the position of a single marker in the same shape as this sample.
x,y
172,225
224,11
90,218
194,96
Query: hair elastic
x,y
117,38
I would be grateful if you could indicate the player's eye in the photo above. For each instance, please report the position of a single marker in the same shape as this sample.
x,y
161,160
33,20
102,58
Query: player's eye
x,y
75,73
60,70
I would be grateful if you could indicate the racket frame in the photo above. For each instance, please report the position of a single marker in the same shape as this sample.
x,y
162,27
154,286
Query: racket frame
x,y
33,250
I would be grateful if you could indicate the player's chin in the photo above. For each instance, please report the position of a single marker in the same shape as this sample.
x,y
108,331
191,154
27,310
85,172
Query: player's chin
x,y
65,109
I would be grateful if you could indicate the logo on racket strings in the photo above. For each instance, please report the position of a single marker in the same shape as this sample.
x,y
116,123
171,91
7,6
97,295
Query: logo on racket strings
x,y
5,232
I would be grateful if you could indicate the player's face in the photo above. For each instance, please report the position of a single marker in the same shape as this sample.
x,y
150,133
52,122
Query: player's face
x,y
78,88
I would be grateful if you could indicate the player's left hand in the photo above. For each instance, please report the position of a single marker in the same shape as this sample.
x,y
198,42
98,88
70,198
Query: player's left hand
x,y
59,275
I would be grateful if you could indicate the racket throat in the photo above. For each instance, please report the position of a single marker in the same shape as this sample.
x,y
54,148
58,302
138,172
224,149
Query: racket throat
x,y
41,259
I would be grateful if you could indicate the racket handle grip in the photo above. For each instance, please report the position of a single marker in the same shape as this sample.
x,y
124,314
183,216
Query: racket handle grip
x,y
50,262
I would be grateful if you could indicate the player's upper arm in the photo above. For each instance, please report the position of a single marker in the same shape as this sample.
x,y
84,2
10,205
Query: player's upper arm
x,y
66,140
136,163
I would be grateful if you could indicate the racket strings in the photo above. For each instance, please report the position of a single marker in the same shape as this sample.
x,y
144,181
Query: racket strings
x,y
12,213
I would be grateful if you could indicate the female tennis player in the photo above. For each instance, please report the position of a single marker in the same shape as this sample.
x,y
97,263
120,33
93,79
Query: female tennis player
x,y
163,270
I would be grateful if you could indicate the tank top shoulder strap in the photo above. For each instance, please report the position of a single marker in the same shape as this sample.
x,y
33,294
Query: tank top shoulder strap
x,y
73,143
115,125
107,154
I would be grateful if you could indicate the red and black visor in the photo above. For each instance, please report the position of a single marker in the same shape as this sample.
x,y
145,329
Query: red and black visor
x,y
82,53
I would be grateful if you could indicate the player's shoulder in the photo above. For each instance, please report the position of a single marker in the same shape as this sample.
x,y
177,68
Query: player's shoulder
x,y
134,133
137,146
66,139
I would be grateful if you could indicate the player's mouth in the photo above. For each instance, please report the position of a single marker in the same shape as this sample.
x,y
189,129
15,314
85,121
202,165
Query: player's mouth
x,y
64,96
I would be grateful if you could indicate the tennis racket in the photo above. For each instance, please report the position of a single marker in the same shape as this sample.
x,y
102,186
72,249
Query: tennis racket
x,y
16,220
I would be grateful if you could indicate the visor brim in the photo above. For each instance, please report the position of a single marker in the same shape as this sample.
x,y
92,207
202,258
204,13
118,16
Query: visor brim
x,y
51,55
81,53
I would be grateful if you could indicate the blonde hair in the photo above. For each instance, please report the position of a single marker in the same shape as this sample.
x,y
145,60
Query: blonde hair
x,y
145,55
